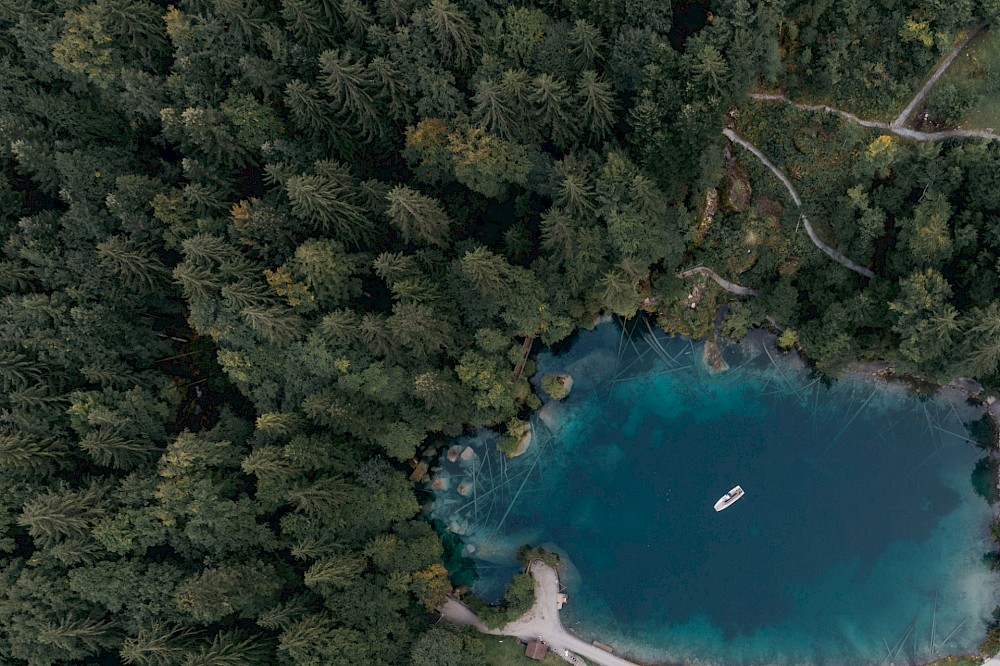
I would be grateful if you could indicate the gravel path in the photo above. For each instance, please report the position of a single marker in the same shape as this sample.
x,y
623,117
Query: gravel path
x,y
541,621
829,251
731,287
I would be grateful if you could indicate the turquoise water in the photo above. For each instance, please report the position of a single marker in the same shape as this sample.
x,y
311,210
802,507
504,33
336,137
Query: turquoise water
x,y
860,539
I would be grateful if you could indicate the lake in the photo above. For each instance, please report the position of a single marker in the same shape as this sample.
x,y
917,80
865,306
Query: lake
x,y
860,539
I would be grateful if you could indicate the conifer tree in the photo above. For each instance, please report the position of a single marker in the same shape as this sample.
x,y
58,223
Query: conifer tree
x,y
328,203
597,102
158,645
418,217
62,513
491,111
587,43
552,101
351,88
306,21
452,30
136,266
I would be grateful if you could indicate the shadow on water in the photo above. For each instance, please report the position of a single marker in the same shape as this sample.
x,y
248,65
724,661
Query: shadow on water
x,y
984,478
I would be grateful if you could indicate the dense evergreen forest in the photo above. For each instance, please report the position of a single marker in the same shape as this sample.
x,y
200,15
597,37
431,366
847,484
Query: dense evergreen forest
x,y
257,255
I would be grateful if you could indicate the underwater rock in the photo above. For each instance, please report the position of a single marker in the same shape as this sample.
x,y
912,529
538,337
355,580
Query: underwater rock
x,y
453,452
712,357
470,548
552,415
469,455
441,482
593,368
968,385
465,488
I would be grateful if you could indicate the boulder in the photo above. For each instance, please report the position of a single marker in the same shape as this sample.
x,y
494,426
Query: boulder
x,y
419,472
469,455
524,442
453,452
712,357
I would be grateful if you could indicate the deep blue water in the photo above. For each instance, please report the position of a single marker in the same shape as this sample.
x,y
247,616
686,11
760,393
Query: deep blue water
x,y
860,534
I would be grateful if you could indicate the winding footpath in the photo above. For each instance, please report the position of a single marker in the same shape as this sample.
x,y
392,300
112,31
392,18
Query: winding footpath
x,y
829,251
542,620
731,287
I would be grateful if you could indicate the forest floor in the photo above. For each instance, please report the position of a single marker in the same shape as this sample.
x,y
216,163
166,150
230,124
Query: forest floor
x,y
541,621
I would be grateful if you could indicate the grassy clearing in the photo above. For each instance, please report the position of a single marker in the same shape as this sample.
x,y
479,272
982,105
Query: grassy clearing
x,y
508,651
970,88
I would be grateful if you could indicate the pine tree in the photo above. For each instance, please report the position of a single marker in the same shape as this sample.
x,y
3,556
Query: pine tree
x,y
597,102
557,231
62,513
374,332
491,111
418,217
16,370
710,67
351,87
25,453
306,21
109,449
516,88
209,250
78,637
229,648
196,281
158,645
452,30
274,323
489,273
394,87
136,266
357,18
574,193
309,111
337,572
552,101
587,43
273,425
322,497
327,203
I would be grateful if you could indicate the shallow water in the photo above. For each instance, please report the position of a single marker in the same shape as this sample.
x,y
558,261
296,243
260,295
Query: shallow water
x,y
861,534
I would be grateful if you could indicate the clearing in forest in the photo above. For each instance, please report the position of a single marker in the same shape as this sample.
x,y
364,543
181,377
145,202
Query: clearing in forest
x,y
968,94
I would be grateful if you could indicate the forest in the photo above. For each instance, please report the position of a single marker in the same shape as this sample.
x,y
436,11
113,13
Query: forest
x,y
256,256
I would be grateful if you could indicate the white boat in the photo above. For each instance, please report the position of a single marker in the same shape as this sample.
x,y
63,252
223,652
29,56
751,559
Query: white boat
x,y
726,500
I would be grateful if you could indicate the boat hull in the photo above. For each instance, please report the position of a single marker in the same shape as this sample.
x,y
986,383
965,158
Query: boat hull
x,y
729,498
